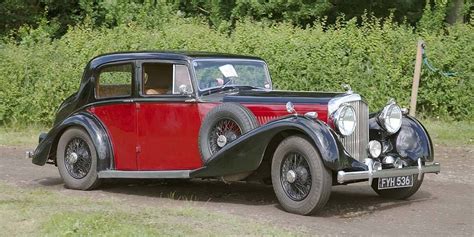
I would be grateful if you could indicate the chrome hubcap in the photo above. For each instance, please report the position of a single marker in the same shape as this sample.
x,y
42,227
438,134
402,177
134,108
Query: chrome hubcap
x,y
73,158
291,176
222,133
221,141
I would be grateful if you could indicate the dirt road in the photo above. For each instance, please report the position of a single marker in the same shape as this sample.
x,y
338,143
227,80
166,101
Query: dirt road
x,y
444,206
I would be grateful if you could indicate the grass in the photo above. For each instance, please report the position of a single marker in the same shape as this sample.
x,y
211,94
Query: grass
x,y
442,132
20,136
40,212
457,133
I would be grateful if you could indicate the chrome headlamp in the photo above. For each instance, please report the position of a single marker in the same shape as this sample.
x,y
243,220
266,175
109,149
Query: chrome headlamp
x,y
391,117
345,119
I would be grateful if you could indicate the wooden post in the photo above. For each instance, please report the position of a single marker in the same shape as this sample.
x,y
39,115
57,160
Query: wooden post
x,y
416,77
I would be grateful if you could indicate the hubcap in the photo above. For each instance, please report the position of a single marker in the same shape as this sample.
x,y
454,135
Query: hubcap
x,y
73,158
295,176
291,176
221,141
78,159
222,133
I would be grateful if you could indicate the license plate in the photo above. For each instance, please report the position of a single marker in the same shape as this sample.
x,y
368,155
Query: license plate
x,y
396,182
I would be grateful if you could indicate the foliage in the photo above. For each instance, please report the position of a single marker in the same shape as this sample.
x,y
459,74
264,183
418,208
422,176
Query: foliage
x,y
219,14
375,57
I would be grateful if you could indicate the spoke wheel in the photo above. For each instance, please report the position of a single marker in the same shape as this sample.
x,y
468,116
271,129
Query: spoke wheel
x,y
78,158
301,182
223,132
223,125
295,176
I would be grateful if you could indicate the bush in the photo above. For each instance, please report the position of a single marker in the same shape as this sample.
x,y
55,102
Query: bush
x,y
376,59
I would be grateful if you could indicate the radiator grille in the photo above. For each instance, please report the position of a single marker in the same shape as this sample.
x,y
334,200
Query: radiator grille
x,y
356,144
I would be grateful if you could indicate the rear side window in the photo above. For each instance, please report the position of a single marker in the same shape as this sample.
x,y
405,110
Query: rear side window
x,y
115,81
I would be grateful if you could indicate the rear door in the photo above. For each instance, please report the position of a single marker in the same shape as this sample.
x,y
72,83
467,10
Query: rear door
x,y
116,110
168,119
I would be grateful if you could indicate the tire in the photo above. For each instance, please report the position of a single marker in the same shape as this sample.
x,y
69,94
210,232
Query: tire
x,y
81,174
398,193
319,179
235,114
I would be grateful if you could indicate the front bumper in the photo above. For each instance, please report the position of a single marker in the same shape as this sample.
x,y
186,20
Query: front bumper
x,y
344,177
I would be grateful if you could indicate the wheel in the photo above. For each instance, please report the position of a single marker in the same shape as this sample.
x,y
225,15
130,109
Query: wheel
x,y
301,182
223,125
398,193
76,158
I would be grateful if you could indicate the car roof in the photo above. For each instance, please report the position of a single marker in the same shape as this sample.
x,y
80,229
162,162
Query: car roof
x,y
166,55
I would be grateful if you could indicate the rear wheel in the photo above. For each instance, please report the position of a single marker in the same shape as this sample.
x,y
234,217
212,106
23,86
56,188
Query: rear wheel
x,y
77,160
398,193
300,180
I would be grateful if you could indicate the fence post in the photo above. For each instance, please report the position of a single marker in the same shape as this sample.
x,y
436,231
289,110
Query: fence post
x,y
416,77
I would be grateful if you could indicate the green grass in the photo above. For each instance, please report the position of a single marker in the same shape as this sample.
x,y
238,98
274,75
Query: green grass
x,y
450,133
442,132
20,136
40,212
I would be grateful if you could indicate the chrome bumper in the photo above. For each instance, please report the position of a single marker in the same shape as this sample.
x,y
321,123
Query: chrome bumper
x,y
343,177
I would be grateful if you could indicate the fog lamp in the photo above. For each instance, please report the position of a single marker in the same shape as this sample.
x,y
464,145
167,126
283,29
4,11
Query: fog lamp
x,y
375,148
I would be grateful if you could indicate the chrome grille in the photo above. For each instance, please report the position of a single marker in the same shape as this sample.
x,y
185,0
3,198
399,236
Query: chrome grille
x,y
356,144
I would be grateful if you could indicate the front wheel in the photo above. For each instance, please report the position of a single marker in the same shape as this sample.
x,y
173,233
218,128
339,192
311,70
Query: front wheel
x,y
300,180
76,158
398,193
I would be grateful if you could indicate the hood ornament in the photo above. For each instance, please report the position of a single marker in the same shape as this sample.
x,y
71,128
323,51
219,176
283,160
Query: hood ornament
x,y
348,88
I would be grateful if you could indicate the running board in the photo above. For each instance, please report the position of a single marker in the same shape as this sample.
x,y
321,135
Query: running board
x,y
170,174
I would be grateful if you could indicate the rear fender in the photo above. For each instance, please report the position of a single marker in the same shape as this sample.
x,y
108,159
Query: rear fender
x,y
46,148
246,153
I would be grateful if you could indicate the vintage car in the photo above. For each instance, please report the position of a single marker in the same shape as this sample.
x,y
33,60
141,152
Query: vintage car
x,y
186,115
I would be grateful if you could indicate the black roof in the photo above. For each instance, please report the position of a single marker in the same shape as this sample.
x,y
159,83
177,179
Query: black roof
x,y
166,55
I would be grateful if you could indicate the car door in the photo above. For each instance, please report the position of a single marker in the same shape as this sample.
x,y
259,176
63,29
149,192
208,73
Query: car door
x,y
168,119
114,107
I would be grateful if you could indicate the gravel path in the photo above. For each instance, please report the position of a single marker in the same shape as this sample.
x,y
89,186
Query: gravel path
x,y
444,206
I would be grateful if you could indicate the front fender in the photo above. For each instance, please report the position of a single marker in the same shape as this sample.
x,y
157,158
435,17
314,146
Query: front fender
x,y
411,142
95,129
246,153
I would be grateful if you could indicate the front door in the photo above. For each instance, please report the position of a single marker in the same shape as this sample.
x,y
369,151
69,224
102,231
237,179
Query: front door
x,y
168,122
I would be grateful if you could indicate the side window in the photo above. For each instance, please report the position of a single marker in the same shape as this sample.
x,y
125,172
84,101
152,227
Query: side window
x,y
165,79
115,81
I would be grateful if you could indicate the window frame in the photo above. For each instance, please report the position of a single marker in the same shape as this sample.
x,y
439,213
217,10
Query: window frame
x,y
202,91
141,92
97,80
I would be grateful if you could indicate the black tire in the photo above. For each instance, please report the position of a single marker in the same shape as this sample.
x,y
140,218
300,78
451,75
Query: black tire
x,y
81,174
319,179
226,112
398,193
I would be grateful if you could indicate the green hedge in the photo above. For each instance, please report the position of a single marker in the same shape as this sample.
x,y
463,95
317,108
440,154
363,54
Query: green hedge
x,y
376,59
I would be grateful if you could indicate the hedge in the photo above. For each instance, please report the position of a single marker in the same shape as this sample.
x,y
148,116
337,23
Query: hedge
x,y
375,58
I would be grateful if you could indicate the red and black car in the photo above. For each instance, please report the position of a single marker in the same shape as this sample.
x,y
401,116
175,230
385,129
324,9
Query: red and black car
x,y
163,115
